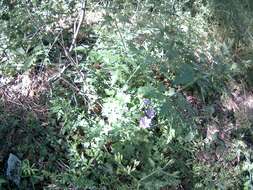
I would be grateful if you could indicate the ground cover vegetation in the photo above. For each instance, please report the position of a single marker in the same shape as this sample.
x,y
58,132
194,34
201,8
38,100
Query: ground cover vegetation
x,y
127,94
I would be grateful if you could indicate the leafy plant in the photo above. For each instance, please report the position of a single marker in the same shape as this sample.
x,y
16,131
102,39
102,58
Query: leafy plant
x,y
130,95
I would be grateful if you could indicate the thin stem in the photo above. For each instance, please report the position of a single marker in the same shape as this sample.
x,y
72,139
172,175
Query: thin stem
x,y
82,14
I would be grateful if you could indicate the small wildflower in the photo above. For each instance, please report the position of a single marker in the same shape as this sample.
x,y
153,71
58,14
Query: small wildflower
x,y
145,122
146,102
150,113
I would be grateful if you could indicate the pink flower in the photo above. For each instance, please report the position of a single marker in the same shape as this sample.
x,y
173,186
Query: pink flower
x,y
145,122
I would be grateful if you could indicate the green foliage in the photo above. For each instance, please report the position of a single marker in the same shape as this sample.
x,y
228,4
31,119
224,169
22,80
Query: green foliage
x,y
154,50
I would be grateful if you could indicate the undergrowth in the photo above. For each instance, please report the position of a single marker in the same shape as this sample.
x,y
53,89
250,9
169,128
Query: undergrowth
x,y
137,103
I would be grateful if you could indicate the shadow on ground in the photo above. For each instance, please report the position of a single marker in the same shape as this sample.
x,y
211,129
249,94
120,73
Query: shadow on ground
x,y
26,133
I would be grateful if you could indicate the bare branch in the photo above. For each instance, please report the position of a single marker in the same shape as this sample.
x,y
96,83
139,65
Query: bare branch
x,y
82,14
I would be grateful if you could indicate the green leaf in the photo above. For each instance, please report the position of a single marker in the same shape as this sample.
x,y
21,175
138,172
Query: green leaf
x,y
2,181
109,92
20,51
185,75
171,92
81,49
123,18
150,92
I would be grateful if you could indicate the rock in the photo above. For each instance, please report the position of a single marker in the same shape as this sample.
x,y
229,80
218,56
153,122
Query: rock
x,y
13,169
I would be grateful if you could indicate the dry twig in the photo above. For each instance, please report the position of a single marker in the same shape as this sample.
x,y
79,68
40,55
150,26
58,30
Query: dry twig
x,y
76,30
